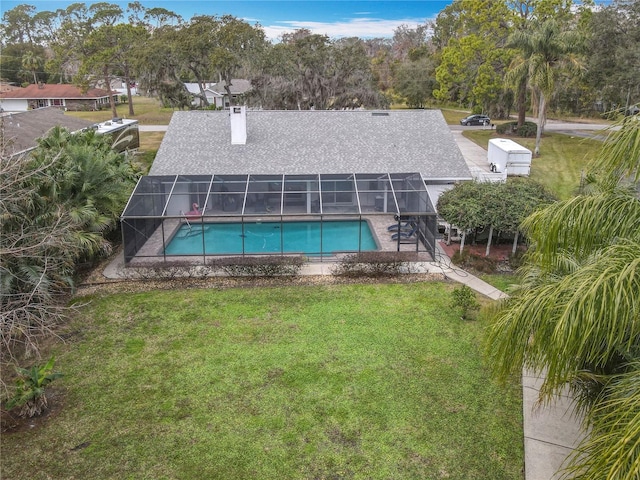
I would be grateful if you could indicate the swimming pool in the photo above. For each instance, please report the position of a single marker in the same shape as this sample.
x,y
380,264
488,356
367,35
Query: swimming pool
x,y
272,237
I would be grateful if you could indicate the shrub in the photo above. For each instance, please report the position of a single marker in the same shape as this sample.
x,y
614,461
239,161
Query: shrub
x,y
516,260
505,128
165,270
257,266
460,258
464,299
527,130
479,263
374,264
30,389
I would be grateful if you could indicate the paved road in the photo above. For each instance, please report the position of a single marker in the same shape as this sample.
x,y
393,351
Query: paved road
x,y
596,131
153,128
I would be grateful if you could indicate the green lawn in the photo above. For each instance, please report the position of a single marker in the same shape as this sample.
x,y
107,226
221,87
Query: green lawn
x,y
148,111
355,382
562,158
505,282
452,116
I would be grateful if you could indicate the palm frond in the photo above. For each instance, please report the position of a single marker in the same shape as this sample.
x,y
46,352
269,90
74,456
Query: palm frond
x,y
584,223
612,449
619,157
588,319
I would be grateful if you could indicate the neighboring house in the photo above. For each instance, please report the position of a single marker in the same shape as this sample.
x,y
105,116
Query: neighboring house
x,y
217,95
239,87
22,130
67,97
196,95
120,86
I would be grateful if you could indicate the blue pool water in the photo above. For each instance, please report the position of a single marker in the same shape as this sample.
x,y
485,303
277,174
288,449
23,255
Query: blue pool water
x,y
272,237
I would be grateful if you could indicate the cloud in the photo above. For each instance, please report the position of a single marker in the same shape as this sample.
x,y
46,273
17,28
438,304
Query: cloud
x,y
357,27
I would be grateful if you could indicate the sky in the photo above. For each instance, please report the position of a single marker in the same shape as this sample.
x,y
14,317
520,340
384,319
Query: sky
x,y
337,18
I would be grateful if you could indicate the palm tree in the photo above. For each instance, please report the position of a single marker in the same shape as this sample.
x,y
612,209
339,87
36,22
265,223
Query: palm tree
x,y
544,52
73,189
576,315
83,162
31,63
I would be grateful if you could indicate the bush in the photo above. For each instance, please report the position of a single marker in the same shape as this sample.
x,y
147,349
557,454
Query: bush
x,y
464,299
479,263
30,389
269,266
374,264
527,130
516,260
165,270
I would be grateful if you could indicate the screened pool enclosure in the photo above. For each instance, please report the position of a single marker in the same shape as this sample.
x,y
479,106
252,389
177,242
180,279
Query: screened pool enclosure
x,y
319,216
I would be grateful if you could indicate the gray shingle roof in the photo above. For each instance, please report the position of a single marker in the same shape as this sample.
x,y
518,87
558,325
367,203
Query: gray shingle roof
x,y
238,86
303,142
23,129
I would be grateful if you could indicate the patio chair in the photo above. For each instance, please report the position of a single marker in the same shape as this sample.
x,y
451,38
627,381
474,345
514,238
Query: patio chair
x,y
406,234
408,225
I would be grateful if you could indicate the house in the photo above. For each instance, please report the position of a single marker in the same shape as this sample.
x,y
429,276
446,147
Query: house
x,y
196,95
217,95
238,87
22,130
67,97
278,167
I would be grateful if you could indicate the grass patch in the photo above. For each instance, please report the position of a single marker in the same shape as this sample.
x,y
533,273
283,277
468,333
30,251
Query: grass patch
x,y
149,145
562,160
358,381
453,117
502,281
148,111
150,141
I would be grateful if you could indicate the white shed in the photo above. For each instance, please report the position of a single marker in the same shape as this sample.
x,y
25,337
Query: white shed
x,y
507,156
